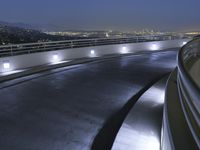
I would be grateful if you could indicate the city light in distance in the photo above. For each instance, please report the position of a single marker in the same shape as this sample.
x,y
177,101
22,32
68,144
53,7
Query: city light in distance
x,y
107,35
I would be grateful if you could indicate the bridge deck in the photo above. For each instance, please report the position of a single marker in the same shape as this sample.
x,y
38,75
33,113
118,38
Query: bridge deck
x,y
70,109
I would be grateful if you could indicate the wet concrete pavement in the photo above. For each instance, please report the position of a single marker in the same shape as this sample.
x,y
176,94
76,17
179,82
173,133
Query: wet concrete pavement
x,y
67,110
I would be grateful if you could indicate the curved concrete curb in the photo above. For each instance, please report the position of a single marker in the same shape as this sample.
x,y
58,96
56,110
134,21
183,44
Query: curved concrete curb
x,y
142,127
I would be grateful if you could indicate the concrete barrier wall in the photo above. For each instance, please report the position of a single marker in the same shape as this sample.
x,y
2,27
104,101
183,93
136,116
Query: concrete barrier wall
x,y
42,58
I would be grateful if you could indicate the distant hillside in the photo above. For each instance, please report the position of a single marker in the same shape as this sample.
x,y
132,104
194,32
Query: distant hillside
x,y
19,25
15,35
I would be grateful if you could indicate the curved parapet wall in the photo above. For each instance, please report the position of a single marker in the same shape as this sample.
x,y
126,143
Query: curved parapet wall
x,y
181,123
19,49
188,89
28,55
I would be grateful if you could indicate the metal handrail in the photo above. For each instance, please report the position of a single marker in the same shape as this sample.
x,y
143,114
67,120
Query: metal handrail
x,y
18,49
189,91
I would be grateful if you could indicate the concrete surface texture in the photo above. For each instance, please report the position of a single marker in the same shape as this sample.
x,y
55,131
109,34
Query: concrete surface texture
x,y
141,129
74,109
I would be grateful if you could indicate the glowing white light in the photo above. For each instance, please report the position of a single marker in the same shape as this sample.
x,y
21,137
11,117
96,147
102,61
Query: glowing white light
x,y
6,65
154,47
92,52
152,143
124,50
184,43
55,58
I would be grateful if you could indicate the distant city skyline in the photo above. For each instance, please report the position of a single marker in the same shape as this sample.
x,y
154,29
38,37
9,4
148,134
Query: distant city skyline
x,y
124,15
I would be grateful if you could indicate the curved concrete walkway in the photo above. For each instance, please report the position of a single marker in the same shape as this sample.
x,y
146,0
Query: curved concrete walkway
x,y
68,110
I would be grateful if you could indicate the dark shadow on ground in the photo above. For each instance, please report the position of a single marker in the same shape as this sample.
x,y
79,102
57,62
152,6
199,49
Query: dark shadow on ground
x,y
106,136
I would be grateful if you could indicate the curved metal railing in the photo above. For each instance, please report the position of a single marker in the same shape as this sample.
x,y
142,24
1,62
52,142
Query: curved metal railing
x,y
19,49
181,121
189,91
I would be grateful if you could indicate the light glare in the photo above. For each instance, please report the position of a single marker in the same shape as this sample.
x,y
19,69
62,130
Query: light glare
x,y
55,58
154,47
6,65
92,52
124,50
184,43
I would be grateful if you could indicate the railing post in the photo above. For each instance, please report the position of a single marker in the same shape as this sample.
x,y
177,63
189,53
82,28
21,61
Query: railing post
x,y
11,52
71,44
95,41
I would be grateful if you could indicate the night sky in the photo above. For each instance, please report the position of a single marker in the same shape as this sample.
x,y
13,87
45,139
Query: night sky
x,y
173,15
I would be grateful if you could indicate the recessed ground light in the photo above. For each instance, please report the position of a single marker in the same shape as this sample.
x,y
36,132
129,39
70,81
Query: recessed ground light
x,y
6,65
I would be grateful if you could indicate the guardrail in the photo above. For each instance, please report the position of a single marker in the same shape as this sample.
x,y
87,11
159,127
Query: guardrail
x,y
19,49
189,91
